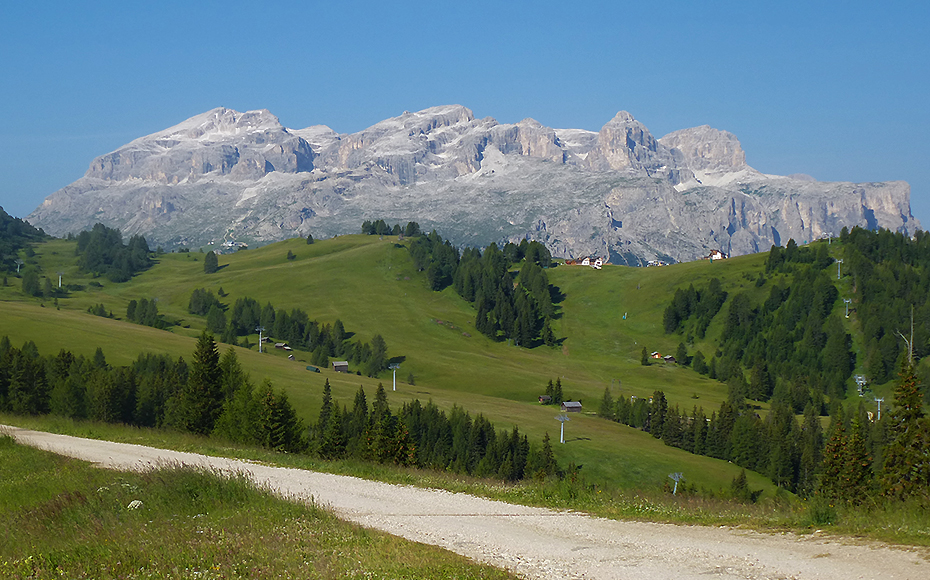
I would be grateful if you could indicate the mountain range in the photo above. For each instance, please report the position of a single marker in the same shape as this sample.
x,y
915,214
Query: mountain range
x,y
618,193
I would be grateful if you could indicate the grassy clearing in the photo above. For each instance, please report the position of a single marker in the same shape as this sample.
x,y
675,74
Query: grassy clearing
x,y
66,519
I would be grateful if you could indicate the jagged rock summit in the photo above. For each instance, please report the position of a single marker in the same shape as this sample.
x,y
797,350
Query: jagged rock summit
x,y
619,193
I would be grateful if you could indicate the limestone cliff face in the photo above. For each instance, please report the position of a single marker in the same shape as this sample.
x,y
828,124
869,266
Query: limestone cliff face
x,y
619,193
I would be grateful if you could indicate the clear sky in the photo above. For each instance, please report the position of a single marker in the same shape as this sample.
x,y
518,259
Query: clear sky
x,y
837,90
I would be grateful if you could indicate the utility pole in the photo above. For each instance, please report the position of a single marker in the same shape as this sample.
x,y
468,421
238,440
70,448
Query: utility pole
x,y
260,330
562,419
394,367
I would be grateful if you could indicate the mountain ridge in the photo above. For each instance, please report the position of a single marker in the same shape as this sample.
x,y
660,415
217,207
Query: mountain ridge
x,y
620,192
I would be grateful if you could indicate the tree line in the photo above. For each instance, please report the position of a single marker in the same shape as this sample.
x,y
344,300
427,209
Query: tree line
x,y
323,341
427,437
210,395
859,457
521,311
213,395
380,228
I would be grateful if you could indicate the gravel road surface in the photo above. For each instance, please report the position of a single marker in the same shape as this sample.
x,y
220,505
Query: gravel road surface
x,y
536,542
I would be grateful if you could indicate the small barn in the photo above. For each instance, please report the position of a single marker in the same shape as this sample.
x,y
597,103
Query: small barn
x,y
341,366
545,399
571,406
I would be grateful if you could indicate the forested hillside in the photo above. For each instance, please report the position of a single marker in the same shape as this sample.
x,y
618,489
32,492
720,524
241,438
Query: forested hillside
x,y
15,234
788,342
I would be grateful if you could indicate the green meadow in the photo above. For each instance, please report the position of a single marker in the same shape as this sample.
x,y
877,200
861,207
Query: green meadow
x,y
371,285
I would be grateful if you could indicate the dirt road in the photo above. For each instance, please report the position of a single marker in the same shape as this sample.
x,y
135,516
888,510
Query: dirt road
x,y
536,542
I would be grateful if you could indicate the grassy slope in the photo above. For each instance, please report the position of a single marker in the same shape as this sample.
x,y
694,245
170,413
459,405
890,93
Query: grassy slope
x,y
72,520
372,287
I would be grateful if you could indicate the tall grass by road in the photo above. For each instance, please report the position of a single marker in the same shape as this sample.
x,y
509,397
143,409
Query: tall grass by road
x,y
65,519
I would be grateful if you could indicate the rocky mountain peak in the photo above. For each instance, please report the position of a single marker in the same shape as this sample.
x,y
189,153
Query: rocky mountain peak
x,y
625,144
707,149
219,142
618,192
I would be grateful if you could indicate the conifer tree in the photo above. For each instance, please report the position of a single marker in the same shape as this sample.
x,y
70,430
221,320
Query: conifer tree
x,y
326,410
657,413
333,444
557,392
202,398
834,458
906,467
547,463
232,376
856,474
280,426
810,452
607,405
210,263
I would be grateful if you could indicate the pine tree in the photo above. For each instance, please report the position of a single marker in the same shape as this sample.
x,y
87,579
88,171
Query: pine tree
x,y
644,358
280,426
547,463
657,412
333,444
326,410
607,405
698,363
811,455
210,263
906,467
557,392
232,376
202,398
834,458
856,475
739,488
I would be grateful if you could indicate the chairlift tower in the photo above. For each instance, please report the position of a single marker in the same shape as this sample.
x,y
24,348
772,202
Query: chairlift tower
x,y
676,477
19,262
847,301
562,419
838,264
394,367
60,274
260,330
879,400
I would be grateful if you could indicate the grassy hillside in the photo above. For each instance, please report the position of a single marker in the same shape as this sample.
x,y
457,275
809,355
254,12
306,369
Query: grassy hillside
x,y
77,521
372,286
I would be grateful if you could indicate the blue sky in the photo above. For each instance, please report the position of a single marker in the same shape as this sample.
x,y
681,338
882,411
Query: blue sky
x,y
837,90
